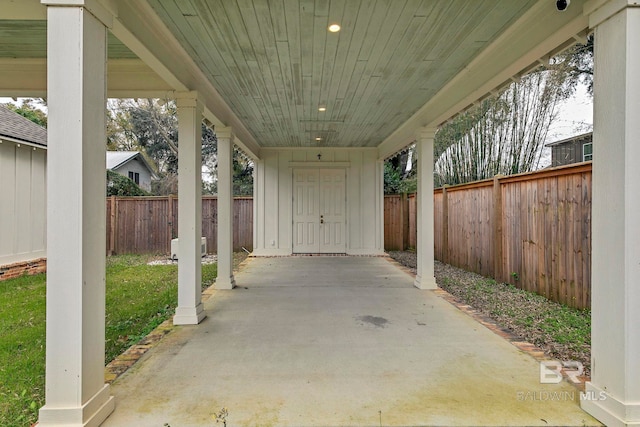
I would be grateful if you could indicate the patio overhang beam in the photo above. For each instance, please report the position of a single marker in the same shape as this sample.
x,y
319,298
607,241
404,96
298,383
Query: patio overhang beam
x,y
127,78
22,10
495,66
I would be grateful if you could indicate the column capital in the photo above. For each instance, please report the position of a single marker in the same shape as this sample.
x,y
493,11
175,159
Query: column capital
x,y
599,11
97,9
189,99
224,132
425,133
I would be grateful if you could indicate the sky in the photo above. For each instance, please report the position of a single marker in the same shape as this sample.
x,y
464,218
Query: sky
x,y
575,116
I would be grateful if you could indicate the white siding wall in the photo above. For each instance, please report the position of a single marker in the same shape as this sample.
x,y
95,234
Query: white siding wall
x,y
23,209
137,166
273,221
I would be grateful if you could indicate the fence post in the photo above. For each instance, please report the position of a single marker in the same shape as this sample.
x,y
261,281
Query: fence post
x,y
113,225
170,222
497,228
404,222
445,225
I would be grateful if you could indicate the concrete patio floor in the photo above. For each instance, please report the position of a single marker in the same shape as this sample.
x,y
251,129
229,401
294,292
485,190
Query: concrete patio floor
x,y
337,341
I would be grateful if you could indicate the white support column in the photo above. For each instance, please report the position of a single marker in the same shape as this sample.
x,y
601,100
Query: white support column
x,y
257,199
190,310
380,206
76,394
425,278
614,390
225,278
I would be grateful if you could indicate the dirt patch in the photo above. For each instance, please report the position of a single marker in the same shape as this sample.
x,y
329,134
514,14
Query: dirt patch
x,y
562,332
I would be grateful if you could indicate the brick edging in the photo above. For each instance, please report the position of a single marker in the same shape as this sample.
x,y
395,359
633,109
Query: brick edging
x,y
130,356
17,269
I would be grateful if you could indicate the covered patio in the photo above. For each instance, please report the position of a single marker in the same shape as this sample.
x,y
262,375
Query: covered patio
x,y
318,111
302,341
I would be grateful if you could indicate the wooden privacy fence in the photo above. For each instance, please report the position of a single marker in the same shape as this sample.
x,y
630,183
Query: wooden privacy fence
x,y
400,215
530,230
147,224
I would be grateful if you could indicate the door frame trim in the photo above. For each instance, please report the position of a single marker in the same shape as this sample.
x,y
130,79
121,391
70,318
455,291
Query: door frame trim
x,y
322,165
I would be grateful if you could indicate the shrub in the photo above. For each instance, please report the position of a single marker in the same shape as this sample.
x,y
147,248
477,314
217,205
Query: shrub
x,y
118,185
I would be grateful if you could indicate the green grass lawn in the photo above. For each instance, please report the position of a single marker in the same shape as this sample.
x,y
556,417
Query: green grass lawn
x,y
138,296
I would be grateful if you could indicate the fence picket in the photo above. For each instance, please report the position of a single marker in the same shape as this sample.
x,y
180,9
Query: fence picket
x,y
147,224
531,230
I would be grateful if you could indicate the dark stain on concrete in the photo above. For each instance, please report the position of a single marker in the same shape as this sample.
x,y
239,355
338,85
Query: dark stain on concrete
x,y
378,322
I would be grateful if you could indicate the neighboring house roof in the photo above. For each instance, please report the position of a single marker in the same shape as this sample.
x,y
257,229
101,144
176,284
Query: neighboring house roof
x,y
588,135
116,159
20,129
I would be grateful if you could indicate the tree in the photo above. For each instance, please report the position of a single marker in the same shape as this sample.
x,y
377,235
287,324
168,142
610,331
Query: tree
x,y
400,172
505,134
392,178
578,63
151,127
32,109
242,176
148,125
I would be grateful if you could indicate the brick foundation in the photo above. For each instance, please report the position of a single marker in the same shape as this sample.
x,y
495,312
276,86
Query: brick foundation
x,y
18,269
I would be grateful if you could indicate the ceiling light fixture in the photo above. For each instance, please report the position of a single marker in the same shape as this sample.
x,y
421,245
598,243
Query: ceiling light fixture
x,y
322,108
318,138
334,28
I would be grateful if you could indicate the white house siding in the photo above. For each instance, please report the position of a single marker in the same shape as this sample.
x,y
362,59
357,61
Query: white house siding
x,y
136,166
273,227
22,202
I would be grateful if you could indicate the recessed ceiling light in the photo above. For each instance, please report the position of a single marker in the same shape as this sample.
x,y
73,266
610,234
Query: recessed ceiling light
x,y
322,108
334,28
318,138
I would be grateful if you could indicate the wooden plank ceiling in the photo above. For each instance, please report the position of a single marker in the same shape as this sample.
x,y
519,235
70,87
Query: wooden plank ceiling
x,y
275,63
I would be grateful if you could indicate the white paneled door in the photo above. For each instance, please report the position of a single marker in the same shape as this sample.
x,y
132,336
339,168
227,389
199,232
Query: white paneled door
x,y
319,211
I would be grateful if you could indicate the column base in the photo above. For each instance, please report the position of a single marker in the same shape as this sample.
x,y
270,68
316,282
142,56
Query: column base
x,y
425,283
189,315
225,282
91,414
607,409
